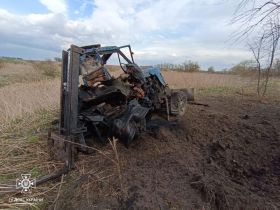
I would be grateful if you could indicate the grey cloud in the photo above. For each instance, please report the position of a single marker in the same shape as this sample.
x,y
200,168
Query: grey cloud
x,y
202,28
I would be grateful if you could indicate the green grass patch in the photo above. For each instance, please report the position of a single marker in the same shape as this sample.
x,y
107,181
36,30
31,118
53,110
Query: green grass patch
x,y
274,84
33,139
218,90
4,80
7,177
36,172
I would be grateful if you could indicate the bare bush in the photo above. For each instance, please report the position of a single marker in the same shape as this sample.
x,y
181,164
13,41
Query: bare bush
x,y
244,68
264,50
211,69
261,27
191,66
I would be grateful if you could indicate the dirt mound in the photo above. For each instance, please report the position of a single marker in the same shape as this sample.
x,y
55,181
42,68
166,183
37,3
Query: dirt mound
x,y
225,156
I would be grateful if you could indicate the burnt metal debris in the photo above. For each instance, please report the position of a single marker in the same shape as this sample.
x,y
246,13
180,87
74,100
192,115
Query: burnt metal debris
x,y
97,106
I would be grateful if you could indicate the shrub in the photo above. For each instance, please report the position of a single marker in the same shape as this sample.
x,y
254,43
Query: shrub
x,y
188,66
191,66
244,68
211,69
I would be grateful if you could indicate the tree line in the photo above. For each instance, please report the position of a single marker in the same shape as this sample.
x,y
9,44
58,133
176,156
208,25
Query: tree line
x,y
246,68
251,67
188,66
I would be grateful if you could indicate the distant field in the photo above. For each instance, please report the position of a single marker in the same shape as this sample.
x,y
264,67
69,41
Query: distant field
x,y
19,99
27,71
26,87
204,80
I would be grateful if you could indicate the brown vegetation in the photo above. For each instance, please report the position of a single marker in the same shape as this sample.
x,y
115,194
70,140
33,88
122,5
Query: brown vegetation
x,y
20,99
215,158
47,68
2,63
205,80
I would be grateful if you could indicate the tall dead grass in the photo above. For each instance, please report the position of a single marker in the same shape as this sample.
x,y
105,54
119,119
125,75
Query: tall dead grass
x,y
24,150
49,69
11,73
176,79
204,80
2,63
24,72
19,99
17,69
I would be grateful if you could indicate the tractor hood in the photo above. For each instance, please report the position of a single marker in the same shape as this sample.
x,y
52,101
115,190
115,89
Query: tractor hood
x,y
154,71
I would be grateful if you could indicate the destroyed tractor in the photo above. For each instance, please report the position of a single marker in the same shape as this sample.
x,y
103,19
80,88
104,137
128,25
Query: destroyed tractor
x,y
96,106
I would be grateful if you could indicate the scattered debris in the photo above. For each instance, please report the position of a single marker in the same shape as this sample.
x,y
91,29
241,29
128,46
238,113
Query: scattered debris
x,y
197,103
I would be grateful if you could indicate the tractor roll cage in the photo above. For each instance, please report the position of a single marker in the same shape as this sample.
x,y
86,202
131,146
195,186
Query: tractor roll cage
x,y
104,53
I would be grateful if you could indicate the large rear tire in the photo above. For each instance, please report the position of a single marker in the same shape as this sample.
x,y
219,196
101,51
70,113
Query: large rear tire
x,y
178,103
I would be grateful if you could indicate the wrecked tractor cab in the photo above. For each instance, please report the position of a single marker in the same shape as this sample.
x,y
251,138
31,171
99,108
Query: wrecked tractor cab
x,y
96,106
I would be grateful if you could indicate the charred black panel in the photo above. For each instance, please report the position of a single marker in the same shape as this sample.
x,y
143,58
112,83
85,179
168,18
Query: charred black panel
x,y
129,124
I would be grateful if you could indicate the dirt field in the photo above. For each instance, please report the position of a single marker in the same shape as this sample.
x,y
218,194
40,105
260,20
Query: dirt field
x,y
221,156
225,156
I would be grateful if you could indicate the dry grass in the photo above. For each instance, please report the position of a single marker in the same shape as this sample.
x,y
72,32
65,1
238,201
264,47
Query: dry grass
x,y
27,152
204,80
49,69
176,79
19,99
26,110
18,69
18,73
24,72
24,151
2,64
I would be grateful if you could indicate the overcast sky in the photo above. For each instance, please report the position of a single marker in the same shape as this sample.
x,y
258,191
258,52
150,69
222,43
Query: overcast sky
x,y
158,30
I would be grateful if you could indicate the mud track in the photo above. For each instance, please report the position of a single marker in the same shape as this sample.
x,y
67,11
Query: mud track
x,y
225,156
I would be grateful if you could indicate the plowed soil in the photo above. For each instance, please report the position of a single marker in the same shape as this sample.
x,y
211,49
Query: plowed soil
x,y
222,156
